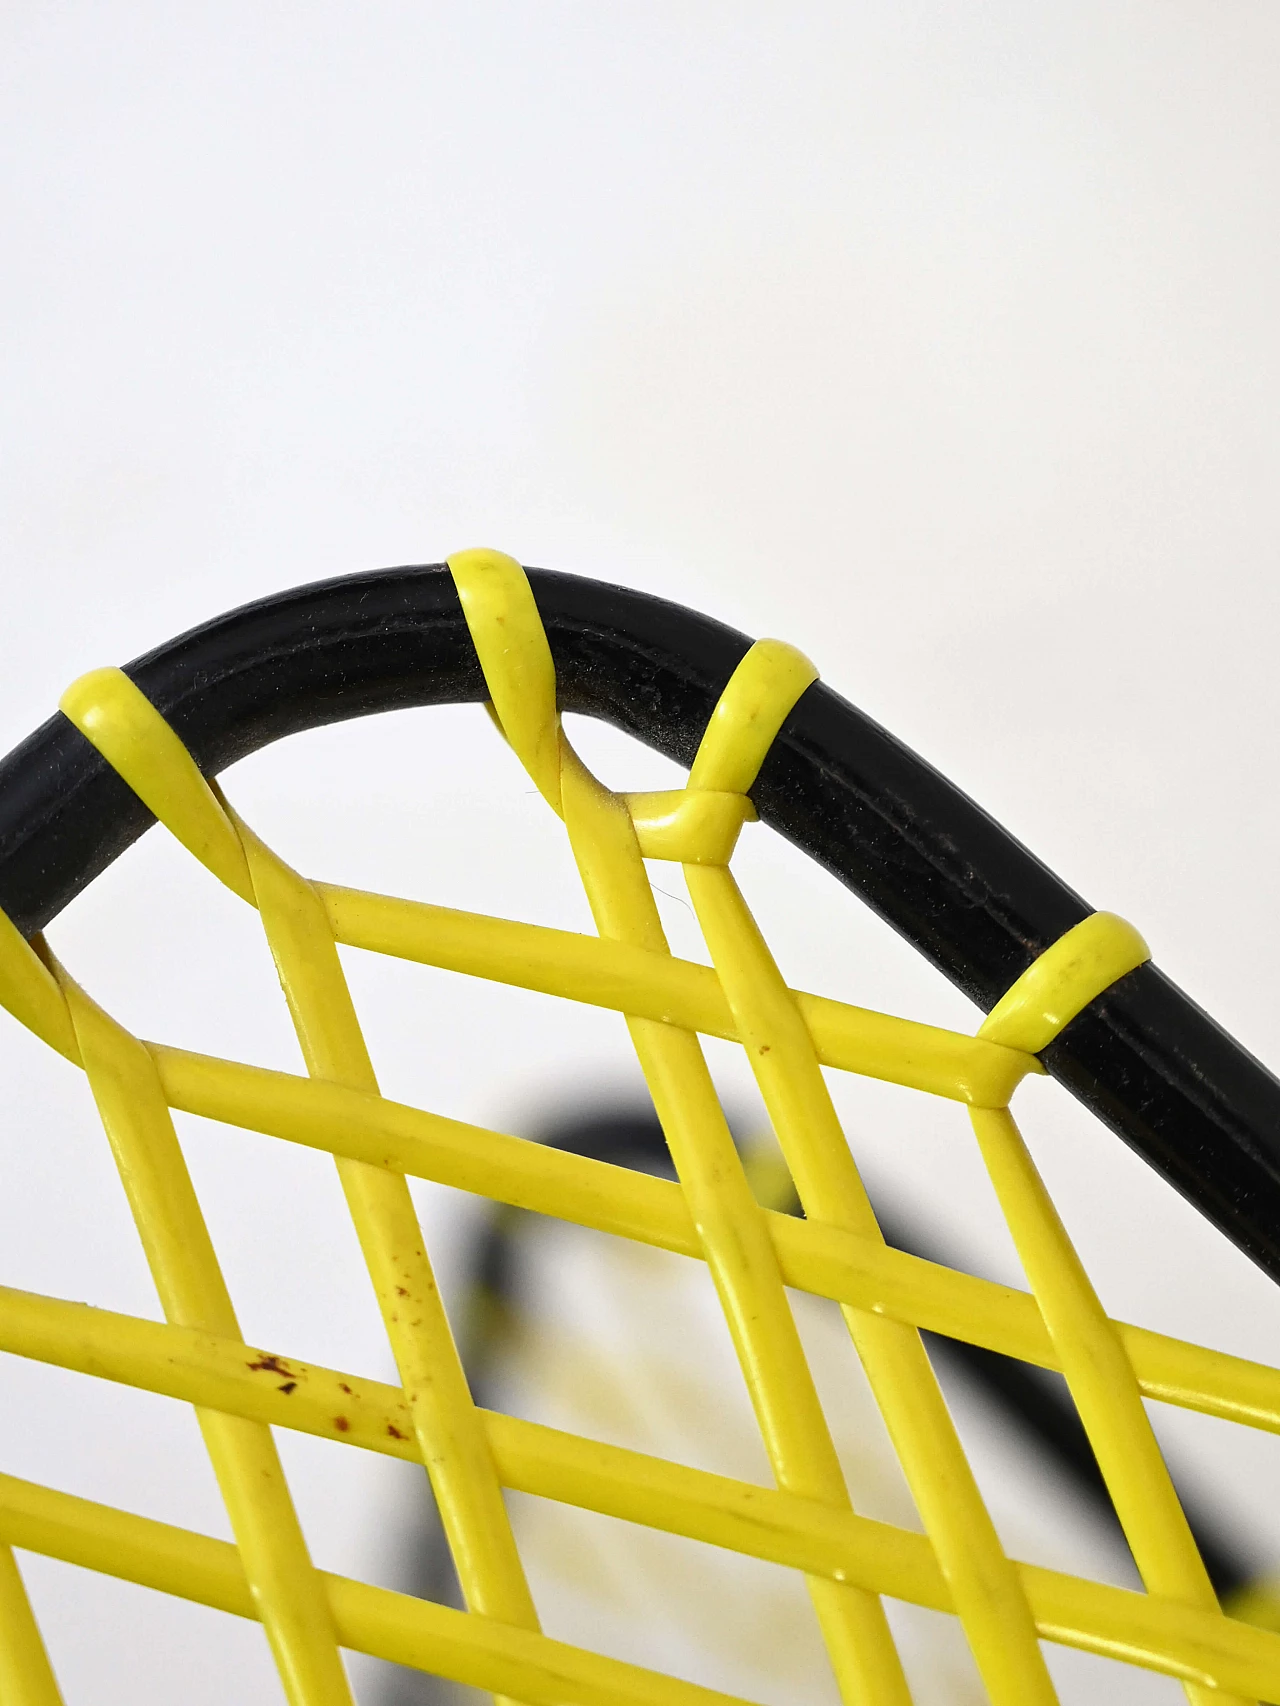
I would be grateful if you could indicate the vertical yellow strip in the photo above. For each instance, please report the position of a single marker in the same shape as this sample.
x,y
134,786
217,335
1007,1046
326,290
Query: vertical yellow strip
x,y
731,1225
450,1434
26,1676
285,1585
988,1594
112,713
1100,1378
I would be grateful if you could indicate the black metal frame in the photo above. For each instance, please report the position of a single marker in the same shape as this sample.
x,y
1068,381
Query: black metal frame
x,y
971,898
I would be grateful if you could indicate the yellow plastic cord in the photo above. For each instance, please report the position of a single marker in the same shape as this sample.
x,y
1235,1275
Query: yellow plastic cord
x,y
677,992
180,1254
450,1438
26,1676
988,1595
1063,981
516,661
1083,963
805,1523
778,1527
448,1431
468,1649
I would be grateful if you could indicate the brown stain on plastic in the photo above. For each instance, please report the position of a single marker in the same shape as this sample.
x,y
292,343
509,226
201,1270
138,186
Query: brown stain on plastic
x,y
268,1363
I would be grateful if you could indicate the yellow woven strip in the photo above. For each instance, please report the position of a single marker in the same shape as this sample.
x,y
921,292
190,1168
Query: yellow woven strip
x,y
29,990
813,1257
544,1461
144,751
776,1526
1098,1373
185,1269
677,992
136,741
988,1593
757,700
427,1146
676,824
478,1651
519,675
1060,984
1063,981
1155,1633
516,661
582,968
26,1676
449,1433
700,824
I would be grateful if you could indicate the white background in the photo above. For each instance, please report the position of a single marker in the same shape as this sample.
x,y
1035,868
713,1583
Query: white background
x,y
937,338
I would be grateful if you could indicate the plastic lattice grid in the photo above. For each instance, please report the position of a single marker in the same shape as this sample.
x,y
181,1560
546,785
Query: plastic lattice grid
x,y
806,1522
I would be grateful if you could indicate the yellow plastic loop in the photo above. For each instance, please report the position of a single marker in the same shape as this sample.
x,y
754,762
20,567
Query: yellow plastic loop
x,y
760,694
29,990
117,718
511,644
700,824
1063,981
693,828
732,1230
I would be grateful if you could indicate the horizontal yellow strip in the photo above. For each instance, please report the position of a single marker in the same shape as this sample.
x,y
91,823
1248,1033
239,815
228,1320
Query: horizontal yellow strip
x,y
468,1649
203,1368
677,992
814,1257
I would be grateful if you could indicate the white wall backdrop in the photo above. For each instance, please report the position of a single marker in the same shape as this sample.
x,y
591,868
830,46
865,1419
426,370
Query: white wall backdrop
x,y
938,339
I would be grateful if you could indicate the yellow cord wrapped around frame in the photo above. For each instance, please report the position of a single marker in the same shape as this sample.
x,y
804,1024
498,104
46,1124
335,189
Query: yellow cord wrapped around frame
x,y
747,1251
988,1594
1099,1375
136,741
514,655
